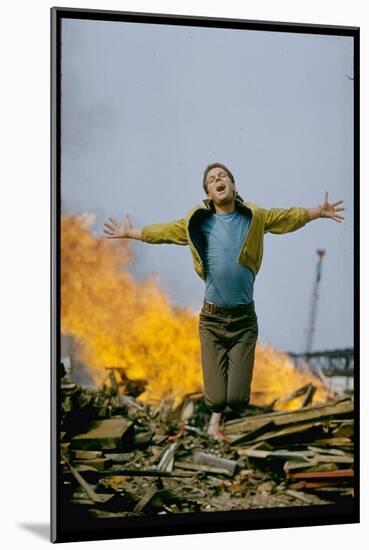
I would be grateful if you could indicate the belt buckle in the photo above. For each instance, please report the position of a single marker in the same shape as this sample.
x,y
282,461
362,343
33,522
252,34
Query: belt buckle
x,y
211,306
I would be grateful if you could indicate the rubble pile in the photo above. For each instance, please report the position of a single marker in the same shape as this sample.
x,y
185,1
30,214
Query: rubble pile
x,y
120,457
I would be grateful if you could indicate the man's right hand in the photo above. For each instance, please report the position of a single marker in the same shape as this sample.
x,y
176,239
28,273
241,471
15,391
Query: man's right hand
x,y
114,230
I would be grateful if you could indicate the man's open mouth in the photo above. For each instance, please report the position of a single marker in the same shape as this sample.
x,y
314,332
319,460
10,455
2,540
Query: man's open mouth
x,y
220,188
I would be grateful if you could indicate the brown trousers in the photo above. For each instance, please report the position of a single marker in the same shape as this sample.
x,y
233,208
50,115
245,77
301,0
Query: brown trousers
x,y
227,355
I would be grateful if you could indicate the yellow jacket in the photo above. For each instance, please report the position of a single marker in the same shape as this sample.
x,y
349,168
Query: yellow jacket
x,y
185,231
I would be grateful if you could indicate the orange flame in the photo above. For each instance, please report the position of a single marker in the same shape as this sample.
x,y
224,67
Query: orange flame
x,y
117,321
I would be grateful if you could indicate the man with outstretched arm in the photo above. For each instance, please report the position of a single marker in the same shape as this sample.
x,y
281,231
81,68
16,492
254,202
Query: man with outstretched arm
x,y
225,236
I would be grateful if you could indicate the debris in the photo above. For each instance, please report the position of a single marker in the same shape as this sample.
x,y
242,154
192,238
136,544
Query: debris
x,y
215,461
300,496
150,493
142,439
86,455
115,470
202,468
121,457
309,395
167,461
307,390
341,474
242,425
86,487
113,433
279,454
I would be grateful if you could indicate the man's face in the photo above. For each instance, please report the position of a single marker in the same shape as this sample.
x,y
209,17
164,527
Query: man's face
x,y
220,186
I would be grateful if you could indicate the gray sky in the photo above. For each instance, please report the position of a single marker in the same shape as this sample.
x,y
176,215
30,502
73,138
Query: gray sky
x,y
146,107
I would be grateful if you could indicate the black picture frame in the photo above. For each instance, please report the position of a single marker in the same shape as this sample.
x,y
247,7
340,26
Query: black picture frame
x,y
65,526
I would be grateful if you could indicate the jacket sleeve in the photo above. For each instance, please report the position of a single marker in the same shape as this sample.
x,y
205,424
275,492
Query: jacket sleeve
x,y
173,232
284,220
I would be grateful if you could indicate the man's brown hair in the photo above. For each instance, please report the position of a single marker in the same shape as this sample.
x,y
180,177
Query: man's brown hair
x,y
214,165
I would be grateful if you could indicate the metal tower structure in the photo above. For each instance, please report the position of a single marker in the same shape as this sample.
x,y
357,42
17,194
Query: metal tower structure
x,y
314,300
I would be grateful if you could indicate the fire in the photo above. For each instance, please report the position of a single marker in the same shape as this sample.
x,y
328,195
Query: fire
x,y
117,321
275,377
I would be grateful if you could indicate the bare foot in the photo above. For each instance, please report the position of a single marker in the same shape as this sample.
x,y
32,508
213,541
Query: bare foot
x,y
214,429
220,436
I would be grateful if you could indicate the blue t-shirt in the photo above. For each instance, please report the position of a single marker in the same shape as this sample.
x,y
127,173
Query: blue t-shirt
x,y
227,282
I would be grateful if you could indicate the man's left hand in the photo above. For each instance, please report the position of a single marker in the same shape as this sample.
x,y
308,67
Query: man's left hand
x,y
329,210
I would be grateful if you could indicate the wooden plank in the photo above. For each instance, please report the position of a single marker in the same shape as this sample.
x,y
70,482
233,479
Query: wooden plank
x,y
85,455
300,496
119,457
332,458
167,460
117,471
280,454
148,496
331,485
296,393
262,445
289,417
336,474
80,498
97,463
297,465
339,407
345,429
343,490
89,474
322,450
112,433
319,485
253,453
68,386
87,488
311,464
82,501
334,442
289,430
328,460
309,396
342,422
250,436
200,468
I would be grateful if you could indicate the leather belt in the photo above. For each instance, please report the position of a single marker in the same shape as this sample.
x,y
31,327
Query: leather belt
x,y
209,307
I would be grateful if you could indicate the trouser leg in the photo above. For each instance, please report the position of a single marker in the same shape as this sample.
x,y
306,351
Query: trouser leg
x,y
241,357
214,362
